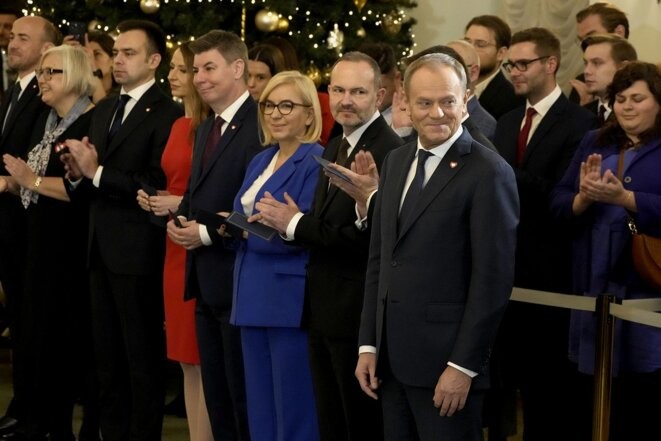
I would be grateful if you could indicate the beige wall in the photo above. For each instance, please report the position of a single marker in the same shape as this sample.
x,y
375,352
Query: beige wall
x,y
645,26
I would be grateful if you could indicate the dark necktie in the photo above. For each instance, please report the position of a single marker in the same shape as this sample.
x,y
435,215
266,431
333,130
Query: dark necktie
x,y
522,141
601,114
413,194
343,152
212,140
119,115
13,101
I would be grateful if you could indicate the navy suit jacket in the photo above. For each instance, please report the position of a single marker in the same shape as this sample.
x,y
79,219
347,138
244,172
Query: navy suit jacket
x,y
499,98
543,251
482,119
440,283
213,188
269,276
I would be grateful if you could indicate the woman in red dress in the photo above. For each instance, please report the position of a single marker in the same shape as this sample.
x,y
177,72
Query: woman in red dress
x,y
179,314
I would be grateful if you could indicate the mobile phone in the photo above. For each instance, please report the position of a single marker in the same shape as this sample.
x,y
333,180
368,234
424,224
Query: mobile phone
x,y
325,164
175,219
151,191
211,220
260,230
77,29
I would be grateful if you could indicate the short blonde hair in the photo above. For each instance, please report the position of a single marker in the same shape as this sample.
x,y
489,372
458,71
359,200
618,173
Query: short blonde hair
x,y
309,96
78,78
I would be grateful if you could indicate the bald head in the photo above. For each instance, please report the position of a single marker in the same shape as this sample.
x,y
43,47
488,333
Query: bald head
x,y
471,59
30,36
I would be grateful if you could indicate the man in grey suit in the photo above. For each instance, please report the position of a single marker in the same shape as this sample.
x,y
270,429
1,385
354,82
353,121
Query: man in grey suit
x,y
438,276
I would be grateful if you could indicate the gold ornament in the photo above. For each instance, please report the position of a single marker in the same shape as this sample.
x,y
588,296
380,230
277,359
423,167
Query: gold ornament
x,y
283,24
335,38
93,25
326,74
150,6
361,32
391,23
266,21
314,74
360,4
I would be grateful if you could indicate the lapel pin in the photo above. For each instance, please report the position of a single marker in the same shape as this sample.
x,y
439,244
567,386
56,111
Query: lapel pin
x,y
453,164
148,109
233,127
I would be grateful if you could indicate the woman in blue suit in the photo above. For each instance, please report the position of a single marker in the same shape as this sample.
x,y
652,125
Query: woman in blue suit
x,y
269,276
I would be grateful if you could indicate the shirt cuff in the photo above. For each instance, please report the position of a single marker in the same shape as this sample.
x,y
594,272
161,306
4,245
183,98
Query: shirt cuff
x,y
291,226
366,349
97,176
464,370
204,235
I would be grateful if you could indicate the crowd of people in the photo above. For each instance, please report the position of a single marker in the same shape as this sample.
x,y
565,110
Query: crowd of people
x,y
327,264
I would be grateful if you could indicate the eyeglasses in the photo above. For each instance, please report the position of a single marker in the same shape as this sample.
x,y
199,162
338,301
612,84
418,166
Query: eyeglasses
x,y
284,107
521,65
480,44
48,72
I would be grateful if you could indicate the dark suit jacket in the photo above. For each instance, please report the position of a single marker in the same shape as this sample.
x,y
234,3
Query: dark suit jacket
x,y
440,283
543,251
498,98
213,188
483,119
127,241
338,249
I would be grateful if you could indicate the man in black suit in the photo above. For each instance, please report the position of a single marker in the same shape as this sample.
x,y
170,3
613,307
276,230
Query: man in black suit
x,y
490,36
338,253
538,140
224,145
29,38
438,276
126,139
603,54
8,15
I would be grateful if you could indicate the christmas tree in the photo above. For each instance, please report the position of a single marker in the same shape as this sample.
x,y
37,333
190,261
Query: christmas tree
x,y
319,30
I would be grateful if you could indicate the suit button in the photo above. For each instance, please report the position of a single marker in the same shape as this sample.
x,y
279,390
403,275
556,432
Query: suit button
x,y
627,179
393,263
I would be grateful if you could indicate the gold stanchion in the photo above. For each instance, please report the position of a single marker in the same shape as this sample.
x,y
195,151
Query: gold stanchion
x,y
603,369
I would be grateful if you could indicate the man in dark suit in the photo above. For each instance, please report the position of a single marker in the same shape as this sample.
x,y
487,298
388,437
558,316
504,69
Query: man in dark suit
x,y
29,38
538,140
8,16
490,36
603,55
126,139
438,276
338,253
224,145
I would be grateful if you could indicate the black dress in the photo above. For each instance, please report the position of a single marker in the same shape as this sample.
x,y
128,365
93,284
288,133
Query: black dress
x,y
55,318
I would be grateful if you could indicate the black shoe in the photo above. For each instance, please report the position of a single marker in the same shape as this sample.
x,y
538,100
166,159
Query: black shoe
x,y
7,425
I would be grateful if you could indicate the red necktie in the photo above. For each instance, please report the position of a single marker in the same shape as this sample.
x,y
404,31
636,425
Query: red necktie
x,y
212,140
522,142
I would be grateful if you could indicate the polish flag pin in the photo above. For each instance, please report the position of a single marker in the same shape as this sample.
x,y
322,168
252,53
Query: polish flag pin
x,y
148,109
453,164
233,127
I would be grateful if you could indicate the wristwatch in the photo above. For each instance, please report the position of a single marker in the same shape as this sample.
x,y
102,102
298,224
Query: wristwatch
x,y
98,73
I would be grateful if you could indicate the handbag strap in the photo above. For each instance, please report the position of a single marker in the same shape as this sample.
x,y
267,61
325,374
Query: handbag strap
x,y
620,172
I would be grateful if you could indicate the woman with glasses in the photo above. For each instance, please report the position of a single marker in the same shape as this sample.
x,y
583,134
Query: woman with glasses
x,y
614,178
269,276
52,326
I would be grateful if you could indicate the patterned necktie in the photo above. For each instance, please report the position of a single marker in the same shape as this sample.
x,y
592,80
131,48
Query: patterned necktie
x,y
522,141
343,152
13,101
413,193
212,140
119,115
601,114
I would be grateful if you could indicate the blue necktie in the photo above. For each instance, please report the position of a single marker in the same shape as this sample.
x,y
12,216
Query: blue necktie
x,y
413,194
119,115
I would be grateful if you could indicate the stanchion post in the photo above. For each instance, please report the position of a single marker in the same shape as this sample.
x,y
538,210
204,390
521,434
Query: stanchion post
x,y
603,369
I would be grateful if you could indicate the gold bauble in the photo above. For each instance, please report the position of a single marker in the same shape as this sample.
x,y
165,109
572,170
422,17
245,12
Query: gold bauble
x,y
326,74
391,23
361,32
266,21
93,25
283,24
150,6
314,74
360,4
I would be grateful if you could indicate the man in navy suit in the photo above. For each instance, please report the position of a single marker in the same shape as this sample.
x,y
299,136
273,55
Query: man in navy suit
x,y
224,145
127,137
438,276
538,140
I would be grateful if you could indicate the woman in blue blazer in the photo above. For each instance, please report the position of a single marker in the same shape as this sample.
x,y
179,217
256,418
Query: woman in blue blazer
x,y
269,276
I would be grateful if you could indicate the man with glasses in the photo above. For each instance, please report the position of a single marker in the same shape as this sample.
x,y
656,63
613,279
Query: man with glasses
x,y
490,36
28,39
338,253
538,140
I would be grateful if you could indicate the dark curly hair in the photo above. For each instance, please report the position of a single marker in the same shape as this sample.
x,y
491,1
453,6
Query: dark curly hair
x,y
612,132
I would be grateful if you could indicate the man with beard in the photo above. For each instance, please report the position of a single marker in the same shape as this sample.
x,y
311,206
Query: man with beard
x,y
490,36
338,253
